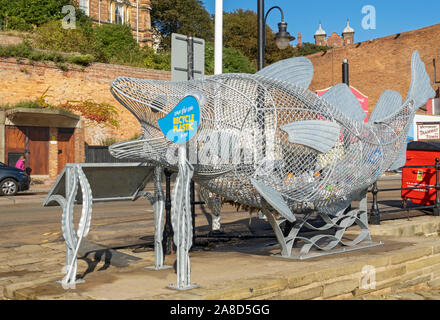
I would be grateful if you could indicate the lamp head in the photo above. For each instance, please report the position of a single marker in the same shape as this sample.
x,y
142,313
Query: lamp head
x,y
282,38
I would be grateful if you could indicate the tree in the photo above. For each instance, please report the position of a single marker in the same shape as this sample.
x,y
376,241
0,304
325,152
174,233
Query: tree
x,y
188,17
233,61
241,32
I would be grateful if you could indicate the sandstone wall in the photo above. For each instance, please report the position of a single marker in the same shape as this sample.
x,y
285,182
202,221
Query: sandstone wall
x,y
23,81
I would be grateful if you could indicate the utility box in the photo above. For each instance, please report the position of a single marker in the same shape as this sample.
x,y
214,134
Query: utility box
x,y
420,153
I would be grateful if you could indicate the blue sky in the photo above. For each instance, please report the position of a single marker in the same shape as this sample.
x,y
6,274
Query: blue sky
x,y
392,16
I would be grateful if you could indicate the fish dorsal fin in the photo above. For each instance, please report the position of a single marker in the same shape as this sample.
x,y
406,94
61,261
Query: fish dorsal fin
x,y
342,98
319,135
420,89
298,71
389,103
275,199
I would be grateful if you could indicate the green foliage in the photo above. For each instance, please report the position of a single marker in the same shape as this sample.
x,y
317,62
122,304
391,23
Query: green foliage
x,y
114,43
188,17
52,36
233,61
108,141
159,60
309,48
24,50
25,15
108,43
23,104
240,32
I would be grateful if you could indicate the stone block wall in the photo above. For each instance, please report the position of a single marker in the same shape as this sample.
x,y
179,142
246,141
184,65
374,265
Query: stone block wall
x,y
25,81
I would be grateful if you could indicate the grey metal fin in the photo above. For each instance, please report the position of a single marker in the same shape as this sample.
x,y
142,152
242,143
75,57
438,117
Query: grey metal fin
x,y
389,103
275,199
342,98
316,134
401,158
298,71
420,89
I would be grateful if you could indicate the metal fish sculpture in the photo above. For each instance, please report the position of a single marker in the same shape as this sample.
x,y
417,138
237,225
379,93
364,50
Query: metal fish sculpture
x,y
267,142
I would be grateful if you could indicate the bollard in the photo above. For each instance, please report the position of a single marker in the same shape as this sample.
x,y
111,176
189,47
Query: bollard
x,y
375,214
436,209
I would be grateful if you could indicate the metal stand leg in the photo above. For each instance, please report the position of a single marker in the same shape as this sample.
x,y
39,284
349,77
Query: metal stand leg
x,y
324,242
182,222
157,201
214,205
74,178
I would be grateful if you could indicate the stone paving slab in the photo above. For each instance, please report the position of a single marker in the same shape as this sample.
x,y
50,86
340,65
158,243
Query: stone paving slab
x,y
245,273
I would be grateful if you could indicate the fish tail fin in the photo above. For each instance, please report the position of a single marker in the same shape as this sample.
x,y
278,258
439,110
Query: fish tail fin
x,y
420,89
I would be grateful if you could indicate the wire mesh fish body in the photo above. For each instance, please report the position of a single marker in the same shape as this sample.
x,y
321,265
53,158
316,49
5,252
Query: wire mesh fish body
x,y
252,126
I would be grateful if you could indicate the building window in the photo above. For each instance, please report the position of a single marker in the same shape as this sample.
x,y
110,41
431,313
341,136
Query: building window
x,y
84,6
119,14
128,15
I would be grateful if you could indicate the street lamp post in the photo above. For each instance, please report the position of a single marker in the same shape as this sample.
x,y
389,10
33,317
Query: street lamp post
x,y
282,38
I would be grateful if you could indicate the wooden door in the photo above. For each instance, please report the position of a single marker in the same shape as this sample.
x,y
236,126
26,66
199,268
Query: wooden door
x,y
38,146
15,142
35,140
66,147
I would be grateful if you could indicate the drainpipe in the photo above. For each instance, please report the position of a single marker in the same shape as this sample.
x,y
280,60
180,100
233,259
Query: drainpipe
x,y
99,12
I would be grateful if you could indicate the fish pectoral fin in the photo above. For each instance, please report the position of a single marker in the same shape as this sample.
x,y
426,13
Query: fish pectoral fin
x,y
298,71
401,158
342,98
275,199
319,135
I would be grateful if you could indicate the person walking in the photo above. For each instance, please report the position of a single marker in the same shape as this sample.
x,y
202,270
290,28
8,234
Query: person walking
x,y
21,163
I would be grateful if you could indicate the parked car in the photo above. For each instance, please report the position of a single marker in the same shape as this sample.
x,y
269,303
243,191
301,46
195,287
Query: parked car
x,y
12,180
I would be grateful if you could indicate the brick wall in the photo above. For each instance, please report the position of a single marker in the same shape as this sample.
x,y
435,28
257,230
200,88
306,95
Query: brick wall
x,y
335,40
22,81
379,64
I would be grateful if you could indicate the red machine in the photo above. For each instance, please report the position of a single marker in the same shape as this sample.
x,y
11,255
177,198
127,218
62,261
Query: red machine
x,y
420,153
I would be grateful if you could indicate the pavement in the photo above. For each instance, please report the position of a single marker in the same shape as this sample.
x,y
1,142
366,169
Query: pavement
x,y
36,194
236,271
407,265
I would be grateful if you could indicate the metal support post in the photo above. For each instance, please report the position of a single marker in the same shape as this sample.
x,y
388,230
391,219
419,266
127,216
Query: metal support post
x,y
168,231
190,62
346,72
437,188
375,214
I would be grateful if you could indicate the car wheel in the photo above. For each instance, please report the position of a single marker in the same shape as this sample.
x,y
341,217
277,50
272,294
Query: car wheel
x,y
8,187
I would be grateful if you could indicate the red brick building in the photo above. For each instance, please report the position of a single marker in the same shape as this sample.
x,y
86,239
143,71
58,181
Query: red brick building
x,y
379,64
335,40
136,13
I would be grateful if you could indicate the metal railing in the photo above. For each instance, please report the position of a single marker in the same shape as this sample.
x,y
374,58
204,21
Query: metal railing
x,y
375,214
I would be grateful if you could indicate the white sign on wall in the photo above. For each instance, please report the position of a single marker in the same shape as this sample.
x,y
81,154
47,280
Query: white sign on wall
x,y
428,131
